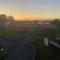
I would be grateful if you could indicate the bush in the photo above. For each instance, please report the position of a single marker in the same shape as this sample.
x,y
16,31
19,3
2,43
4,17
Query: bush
x,y
39,45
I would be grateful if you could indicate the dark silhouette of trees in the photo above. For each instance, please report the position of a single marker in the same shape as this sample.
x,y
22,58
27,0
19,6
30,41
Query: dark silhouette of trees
x,y
6,21
56,22
11,21
11,18
3,19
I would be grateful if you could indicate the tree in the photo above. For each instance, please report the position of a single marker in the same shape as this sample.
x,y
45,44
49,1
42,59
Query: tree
x,y
11,21
6,21
55,25
56,22
11,18
3,20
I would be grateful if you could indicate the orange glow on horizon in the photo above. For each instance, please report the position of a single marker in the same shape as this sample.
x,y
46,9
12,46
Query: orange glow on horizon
x,y
33,18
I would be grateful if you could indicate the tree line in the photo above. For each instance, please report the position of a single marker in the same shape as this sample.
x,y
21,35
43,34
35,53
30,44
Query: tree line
x,y
6,21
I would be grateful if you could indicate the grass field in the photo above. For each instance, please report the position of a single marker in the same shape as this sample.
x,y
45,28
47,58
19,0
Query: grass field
x,y
14,34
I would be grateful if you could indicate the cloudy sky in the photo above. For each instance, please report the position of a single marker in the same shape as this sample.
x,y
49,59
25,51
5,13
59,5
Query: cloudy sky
x,y
31,9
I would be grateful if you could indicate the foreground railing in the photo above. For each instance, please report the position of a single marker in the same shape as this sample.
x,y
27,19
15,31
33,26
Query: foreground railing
x,y
53,49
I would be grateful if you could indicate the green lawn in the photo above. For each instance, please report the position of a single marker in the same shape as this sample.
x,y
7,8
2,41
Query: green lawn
x,y
14,34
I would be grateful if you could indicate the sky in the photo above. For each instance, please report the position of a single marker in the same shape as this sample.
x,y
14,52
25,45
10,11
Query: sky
x,y
31,9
